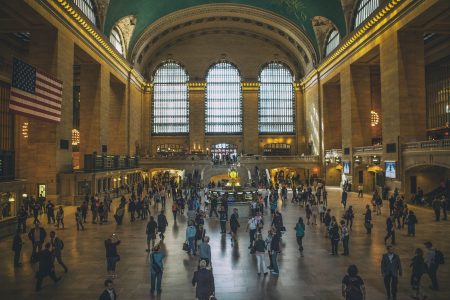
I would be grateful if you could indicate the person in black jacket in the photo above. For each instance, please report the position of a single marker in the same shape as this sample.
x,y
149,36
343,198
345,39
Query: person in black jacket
x,y
275,247
368,220
109,293
162,224
390,228
46,267
22,216
411,220
112,257
17,248
152,226
205,282
37,237
391,269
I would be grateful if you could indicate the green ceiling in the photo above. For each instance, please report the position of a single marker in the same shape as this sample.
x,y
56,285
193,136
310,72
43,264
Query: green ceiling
x,y
300,12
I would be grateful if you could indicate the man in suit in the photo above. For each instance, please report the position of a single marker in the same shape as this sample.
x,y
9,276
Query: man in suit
x,y
37,237
391,269
390,228
205,282
16,248
109,293
46,267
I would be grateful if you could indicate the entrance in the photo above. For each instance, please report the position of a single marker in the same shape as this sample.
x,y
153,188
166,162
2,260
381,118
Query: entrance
x,y
224,153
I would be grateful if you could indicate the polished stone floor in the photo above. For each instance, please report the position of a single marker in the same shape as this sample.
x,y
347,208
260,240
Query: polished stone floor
x,y
316,276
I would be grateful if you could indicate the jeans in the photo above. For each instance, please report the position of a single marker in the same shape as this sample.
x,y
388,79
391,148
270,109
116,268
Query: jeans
x,y
155,279
275,262
111,264
432,271
390,283
345,245
334,246
223,225
412,229
191,242
252,236
300,243
261,262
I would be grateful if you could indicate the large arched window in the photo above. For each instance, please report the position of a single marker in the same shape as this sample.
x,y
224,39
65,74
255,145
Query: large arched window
x,y
170,100
87,7
223,100
276,99
116,40
364,10
332,41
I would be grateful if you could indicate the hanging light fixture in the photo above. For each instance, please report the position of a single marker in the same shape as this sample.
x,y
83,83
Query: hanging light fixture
x,y
374,118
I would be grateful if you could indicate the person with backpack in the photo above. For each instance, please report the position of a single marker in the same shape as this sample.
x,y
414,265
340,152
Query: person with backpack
x,y
57,245
156,269
352,285
433,259
418,268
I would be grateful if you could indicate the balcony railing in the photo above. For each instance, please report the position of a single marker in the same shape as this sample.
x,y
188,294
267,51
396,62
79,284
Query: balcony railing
x,y
427,145
368,150
295,158
333,153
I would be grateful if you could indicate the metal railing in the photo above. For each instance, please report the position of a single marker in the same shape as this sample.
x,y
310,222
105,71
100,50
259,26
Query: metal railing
x,y
427,145
368,149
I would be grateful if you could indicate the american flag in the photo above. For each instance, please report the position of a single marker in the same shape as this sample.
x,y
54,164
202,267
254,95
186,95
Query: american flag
x,y
34,93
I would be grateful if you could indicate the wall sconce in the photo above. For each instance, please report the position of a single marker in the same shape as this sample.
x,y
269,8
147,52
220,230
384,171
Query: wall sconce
x,y
11,198
25,130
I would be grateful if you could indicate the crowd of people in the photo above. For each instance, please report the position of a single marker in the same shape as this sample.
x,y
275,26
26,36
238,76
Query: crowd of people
x,y
264,225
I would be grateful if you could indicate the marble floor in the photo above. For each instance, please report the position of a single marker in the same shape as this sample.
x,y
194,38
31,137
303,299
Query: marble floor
x,y
316,276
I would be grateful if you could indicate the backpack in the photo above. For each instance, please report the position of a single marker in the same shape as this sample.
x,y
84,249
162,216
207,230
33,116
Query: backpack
x,y
439,257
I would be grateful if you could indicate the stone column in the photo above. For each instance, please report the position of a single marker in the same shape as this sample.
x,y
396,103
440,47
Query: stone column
x,y
299,120
197,115
40,158
94,108
250,117
403,108
117,119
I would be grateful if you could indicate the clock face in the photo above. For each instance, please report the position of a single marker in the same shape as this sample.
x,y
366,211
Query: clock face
x,y
233,174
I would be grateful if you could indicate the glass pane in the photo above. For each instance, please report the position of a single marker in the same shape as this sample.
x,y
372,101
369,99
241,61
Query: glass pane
x,y
276,100
365,9
87,8
223,100
170,100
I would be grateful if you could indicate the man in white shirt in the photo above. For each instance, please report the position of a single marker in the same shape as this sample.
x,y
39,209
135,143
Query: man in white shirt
x,y
252,225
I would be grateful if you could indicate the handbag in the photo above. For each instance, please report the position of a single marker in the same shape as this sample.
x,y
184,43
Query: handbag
x,y
185,246
253,250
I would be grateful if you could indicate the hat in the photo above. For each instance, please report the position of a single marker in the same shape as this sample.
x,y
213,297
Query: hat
x,y
428,244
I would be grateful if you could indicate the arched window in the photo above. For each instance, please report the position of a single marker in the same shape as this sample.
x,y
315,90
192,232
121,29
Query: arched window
x,y
170,100
223,100
364,10
332,41
276,99
87,7
116,40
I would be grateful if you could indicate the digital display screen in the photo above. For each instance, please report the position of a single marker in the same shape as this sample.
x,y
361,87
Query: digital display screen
x,y
390,167
346,167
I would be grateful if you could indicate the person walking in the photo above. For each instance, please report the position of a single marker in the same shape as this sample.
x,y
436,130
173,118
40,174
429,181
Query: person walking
x,y
444,206
204,251
345,238
204,281
112,257
37,237
156,269
223,220
390,228
411,221
162,224
79,219
300,233
46,267
391,269
190,237
22,216
344,199
275,248
174,210
360,191
418,268
17,248
433,259
234,225
50,210
60,217
260,249
252,225
436,205
152,226
349,216
109,293
308,213
352,285
334,236
57,245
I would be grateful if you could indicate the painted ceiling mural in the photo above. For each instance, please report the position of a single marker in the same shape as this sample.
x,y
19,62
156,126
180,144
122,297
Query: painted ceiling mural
x,y
299,12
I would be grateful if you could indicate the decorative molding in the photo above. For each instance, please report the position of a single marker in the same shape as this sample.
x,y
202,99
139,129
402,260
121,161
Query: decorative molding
x,y
197,86
250,86
95,38
102,9
126,26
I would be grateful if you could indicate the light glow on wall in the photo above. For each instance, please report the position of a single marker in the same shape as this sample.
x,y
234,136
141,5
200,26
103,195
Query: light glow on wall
x,y
374,118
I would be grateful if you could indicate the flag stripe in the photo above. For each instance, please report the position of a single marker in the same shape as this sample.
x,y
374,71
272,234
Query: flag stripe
x,y
53,83
34,114
45,88
29,97
37,107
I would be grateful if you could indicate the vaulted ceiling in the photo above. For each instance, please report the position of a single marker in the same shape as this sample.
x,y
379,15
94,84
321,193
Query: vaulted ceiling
x,y
298,12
